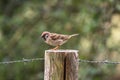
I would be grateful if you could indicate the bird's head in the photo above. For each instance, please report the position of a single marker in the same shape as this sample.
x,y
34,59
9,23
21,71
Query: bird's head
x,y
45,35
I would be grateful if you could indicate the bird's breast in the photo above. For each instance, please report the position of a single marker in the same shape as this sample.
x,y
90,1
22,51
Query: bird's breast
x,y
51,42
55,42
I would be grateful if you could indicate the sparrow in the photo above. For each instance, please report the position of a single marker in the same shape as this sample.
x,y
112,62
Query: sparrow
x,y
55,39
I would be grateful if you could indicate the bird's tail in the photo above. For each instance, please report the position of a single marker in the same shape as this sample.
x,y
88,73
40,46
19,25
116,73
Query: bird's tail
x,y
73,35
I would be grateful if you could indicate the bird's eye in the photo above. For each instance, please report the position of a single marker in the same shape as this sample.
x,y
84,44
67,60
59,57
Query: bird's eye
x,y
46,36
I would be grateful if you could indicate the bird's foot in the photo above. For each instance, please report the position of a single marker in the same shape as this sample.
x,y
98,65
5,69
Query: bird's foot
x,y
57,47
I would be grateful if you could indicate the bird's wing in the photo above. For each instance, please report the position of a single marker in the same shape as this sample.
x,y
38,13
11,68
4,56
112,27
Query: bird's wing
x,y
59,37
54,37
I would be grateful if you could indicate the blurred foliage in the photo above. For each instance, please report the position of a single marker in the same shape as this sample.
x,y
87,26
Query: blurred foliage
x,y
22,22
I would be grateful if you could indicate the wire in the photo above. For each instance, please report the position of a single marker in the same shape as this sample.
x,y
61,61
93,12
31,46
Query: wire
x,y
101,62
41,59
22,60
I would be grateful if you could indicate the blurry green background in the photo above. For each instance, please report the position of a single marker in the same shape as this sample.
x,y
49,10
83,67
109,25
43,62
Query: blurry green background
x,y
23,21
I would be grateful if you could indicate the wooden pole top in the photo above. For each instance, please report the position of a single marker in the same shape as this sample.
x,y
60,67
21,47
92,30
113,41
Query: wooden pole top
x,y
61,64
61,50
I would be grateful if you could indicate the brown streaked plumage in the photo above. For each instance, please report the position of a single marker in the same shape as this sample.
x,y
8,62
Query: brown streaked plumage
x,y
55,39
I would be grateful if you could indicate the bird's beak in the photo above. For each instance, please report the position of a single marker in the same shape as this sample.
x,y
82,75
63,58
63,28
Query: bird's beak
x,y
41,35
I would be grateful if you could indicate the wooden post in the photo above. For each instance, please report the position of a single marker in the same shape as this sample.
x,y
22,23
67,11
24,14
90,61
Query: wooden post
x,y
61,65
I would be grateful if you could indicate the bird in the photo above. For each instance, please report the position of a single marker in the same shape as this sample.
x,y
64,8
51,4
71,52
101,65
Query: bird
x,y
55,39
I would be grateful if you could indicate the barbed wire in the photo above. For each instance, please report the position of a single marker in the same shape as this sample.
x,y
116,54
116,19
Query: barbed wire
x,y
101,62
41,59
22,61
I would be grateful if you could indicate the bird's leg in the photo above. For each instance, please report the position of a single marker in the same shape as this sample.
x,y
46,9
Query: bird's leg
x,y
57,47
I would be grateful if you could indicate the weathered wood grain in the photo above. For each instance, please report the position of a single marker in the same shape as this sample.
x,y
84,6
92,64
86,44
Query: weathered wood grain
x,y
61,65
